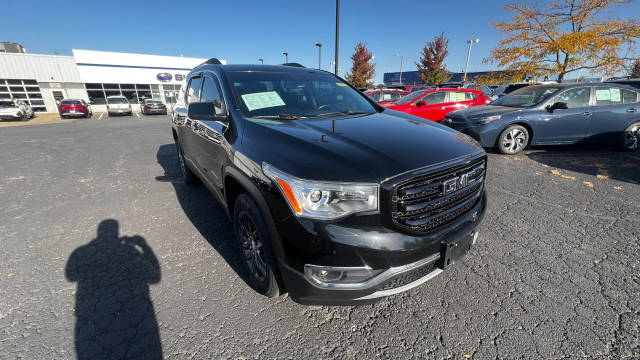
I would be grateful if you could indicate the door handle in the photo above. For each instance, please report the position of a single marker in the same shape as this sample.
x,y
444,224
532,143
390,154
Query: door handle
x,y
632,110
586,113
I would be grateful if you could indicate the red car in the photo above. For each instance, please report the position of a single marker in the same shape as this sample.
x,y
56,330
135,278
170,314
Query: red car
x,y
384,97
72,107
435,104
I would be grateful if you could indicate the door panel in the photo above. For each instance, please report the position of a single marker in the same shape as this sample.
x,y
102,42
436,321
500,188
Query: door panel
x,y
567,125
188,137
616,108
434,108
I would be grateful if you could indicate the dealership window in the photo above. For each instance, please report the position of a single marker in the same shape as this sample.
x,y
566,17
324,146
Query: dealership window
x,y
111,86
23,89
96,97
131,96
93,86
127,86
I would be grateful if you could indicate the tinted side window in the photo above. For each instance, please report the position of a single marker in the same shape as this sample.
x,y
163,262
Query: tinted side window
x,y
629,96
575,98
211,93
435,97
193,92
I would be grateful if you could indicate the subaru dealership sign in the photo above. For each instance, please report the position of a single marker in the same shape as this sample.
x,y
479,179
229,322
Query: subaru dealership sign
x,y
164,77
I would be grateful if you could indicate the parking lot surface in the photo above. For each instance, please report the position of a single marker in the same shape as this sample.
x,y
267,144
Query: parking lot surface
x,y
106,253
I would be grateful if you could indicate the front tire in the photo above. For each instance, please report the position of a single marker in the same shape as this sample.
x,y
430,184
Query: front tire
x,y
252,235
631,137
513,139
187,175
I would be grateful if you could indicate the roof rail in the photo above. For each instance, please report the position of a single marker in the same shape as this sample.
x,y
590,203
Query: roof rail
x,y
293,64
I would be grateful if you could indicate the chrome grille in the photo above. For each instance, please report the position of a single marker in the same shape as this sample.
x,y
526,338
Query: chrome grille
x,y
425,203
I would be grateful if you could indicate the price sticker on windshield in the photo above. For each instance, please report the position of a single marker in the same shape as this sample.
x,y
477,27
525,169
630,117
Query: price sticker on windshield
x,y
262,100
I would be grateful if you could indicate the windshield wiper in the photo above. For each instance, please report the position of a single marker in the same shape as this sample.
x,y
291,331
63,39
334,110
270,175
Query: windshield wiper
x,y
280,117
345,112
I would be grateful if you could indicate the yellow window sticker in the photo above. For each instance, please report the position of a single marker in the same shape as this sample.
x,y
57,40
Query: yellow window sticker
x,y
341,84
262,100
456,96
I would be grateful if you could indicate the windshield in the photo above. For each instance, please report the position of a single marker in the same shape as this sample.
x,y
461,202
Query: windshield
x,y
297,94
409,98
527,96
155,102
117,100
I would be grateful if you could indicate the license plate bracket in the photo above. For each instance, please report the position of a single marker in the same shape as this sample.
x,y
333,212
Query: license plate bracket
x,y
455,250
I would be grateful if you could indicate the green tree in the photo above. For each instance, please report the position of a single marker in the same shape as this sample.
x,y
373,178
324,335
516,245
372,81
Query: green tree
x,y
563,36
362,69
431,66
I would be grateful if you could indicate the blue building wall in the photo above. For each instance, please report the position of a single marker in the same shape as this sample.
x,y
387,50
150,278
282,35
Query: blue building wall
x,y
413,77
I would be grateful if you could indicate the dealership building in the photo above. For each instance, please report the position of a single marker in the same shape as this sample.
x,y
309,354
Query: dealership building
x,y
43,80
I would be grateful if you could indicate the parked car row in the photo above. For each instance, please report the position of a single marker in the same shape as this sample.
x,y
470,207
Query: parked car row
x,y
116,105
12,109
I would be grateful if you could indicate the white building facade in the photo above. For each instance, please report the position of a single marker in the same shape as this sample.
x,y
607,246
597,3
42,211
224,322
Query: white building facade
x,y
42,80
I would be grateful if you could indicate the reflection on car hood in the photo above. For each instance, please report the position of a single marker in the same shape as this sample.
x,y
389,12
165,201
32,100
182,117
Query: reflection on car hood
x,y
475,112
367,148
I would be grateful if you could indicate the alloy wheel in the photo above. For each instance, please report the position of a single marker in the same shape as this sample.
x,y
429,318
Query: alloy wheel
x,y
514,140
632,138
252,246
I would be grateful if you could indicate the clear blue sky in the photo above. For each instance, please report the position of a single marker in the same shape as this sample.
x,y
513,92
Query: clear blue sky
x,y
243,31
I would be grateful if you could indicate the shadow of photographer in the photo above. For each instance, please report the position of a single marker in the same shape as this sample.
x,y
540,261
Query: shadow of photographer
x,y
114,313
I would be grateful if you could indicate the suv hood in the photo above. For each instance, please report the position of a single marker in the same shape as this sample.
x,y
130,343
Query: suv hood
x,y
362,148
476,112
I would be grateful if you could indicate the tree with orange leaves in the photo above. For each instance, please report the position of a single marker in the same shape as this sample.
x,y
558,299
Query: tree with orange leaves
x,y
564,36
362,69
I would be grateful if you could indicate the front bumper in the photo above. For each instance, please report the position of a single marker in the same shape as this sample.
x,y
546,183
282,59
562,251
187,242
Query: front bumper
x,y
402,261
486,134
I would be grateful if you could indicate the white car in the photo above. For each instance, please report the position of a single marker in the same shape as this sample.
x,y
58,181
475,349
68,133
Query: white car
x,y
118,105
11,110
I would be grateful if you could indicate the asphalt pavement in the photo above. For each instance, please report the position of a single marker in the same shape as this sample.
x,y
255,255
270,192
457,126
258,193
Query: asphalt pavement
x,y
106,253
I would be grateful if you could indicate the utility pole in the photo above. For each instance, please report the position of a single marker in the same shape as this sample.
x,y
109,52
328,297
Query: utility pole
x,y
470,42
319,45
401,60
337,33
286,57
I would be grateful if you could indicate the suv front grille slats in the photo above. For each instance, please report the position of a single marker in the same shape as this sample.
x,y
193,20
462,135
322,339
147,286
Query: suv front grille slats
x,y
428,202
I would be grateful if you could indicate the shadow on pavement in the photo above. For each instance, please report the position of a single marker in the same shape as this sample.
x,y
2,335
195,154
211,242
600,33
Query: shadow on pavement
x,y
591,160
202,209
114,313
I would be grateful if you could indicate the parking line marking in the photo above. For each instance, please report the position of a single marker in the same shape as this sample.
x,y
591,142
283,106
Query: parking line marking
x,y
138,115
100,117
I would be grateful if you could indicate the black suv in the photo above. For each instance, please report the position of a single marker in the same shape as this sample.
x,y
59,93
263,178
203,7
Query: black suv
x,y
333,198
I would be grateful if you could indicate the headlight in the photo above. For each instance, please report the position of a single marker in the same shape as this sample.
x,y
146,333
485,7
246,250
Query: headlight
x,y
323,200
488,119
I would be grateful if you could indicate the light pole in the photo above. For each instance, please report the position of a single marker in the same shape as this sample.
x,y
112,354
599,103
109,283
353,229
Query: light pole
x,y
261,61
337,33
470,42
401,59
319,45
331,65
286,57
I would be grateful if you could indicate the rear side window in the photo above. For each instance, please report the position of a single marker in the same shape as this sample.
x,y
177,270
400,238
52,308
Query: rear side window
x,y
629,96
211,93
193,92
575,98
609,96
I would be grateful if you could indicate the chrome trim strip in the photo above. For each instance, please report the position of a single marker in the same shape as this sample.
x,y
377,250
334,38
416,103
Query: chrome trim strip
x,y
400,289
376,280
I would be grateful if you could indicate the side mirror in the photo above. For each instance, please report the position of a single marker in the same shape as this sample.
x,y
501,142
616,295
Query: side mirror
x,y
557,106
421,103
204,111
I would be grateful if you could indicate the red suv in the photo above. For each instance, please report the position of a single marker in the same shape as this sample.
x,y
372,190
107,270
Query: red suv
x,y
435,104
72,107
384,97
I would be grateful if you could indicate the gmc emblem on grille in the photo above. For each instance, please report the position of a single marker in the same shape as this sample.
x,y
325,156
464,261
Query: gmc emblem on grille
x,y
459,182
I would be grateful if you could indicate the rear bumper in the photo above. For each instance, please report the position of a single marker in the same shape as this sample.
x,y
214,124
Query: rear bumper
x,y
402,261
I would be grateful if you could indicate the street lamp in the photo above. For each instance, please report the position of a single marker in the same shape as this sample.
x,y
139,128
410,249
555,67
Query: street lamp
x,y
337,33
286,57
261,61
470,42
401,59
319,45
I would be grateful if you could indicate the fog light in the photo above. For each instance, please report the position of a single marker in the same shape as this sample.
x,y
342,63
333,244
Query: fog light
x,y
328,276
